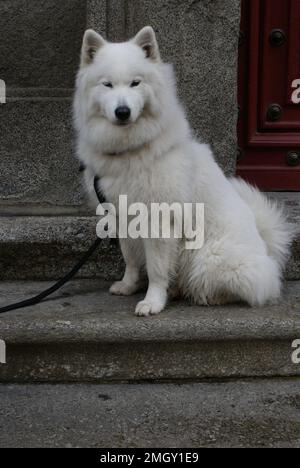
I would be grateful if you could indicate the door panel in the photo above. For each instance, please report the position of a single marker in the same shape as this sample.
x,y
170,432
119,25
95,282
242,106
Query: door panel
x,y
269,94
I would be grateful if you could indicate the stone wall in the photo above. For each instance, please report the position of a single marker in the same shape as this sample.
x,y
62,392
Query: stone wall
x,y
39,54
39,50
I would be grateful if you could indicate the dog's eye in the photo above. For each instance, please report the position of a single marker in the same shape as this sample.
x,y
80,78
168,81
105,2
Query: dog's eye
x,y
107,84
135,83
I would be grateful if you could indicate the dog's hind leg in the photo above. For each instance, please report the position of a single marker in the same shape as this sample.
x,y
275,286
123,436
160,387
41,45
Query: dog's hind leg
x,y
257,280
254,279
231,276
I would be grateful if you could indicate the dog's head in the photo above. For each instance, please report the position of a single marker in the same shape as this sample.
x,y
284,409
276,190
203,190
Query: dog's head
x,y
120,74
121,89
126,96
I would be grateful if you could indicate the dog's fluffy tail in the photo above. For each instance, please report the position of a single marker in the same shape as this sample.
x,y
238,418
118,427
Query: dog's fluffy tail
x,y
270,219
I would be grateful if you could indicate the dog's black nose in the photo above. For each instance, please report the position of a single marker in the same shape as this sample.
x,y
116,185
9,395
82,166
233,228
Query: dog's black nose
x,y
123,113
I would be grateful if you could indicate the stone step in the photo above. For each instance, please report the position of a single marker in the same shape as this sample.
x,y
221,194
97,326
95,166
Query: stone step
x,y
291,203
240,414
83,334
46,247
43,248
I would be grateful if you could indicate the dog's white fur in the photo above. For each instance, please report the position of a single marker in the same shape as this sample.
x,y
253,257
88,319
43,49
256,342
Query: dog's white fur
x,y
154,158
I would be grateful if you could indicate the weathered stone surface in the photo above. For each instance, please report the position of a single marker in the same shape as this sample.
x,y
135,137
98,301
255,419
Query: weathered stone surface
x,y
108,18
233,414
40,42
84,334
291,205
38,166
97,15
41,248
293,269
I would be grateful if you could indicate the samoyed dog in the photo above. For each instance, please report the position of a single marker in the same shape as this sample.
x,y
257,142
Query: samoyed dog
x,y
134,134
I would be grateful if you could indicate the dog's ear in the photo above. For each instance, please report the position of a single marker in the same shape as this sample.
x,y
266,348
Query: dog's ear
x,y
92,42
146,39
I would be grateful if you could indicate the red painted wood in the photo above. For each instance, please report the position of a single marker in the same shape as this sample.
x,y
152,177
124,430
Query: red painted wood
x,y
266,75
280,66
294,50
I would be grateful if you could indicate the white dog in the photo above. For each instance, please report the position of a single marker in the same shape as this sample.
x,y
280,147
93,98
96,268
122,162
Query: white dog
x,y
133,132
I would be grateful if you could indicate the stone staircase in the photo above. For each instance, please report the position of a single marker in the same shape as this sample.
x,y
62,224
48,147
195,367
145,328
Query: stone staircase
x,y
190,377
81,369
83,334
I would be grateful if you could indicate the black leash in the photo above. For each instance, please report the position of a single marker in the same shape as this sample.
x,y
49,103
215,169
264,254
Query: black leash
x,y
37,299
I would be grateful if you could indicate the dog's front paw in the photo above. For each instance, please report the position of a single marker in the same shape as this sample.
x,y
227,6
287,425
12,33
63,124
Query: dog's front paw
x,y
146,308
120,288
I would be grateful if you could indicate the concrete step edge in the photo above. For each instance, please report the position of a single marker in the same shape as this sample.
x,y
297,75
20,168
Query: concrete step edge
x,y
39,247
86,335
84,312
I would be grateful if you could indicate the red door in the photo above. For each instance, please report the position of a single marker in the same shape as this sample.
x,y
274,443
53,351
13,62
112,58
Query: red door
x,y
269,94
